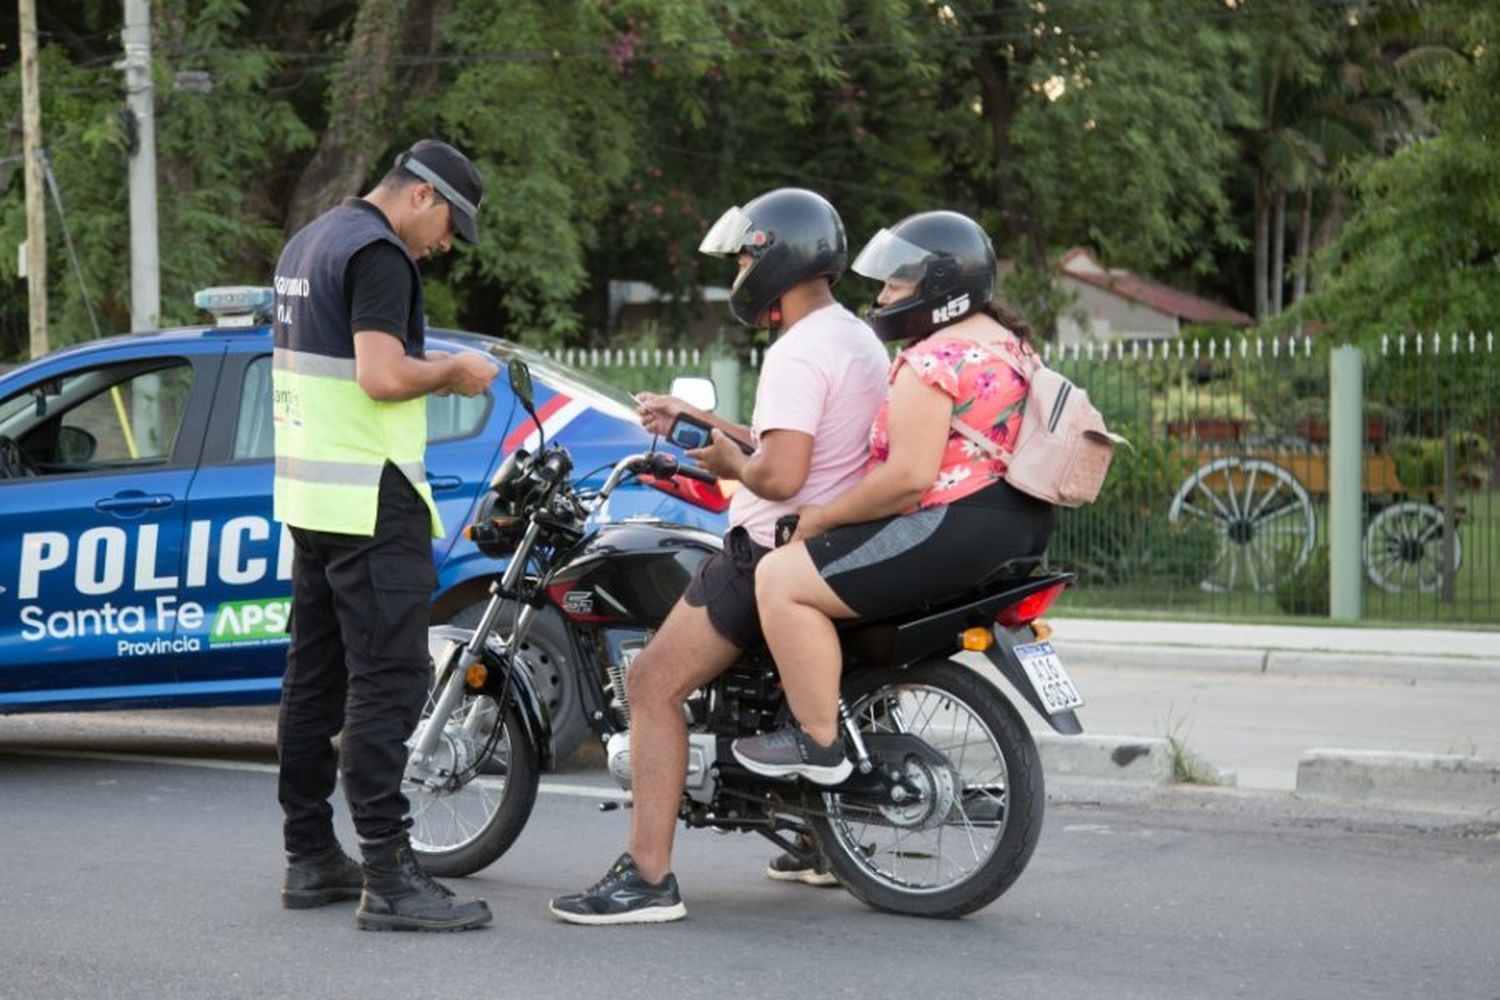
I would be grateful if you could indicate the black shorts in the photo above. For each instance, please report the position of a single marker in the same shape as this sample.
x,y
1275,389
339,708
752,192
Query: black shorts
x,y
882,566
724,583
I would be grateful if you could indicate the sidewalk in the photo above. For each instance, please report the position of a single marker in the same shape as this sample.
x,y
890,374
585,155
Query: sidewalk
x,y
1248,699
1407,654
1254,699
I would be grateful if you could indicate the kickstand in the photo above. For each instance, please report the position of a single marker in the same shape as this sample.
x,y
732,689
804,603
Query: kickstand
x,y
803,848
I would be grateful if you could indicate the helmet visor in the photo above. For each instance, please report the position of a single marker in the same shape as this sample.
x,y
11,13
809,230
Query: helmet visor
x,y
727,236
888,256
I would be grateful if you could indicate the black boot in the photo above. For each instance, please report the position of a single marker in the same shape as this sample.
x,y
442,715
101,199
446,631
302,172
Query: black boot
x,y
400,896
318,879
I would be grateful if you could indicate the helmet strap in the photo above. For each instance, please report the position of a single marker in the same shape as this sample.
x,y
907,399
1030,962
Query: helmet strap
x,y
773,315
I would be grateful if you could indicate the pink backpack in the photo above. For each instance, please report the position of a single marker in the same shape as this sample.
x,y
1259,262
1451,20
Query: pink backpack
x,y
1063,450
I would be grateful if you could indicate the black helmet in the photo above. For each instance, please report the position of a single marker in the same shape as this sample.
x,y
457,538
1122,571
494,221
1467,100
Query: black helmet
x,y
947,256
790,234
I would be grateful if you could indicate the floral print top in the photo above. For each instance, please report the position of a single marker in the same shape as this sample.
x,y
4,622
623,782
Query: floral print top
x,y
988,393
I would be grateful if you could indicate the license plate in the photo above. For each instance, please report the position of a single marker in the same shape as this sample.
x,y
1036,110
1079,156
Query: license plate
x,y
1048,678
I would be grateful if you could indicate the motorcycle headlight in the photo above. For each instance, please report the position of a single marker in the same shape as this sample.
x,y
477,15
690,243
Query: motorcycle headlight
x,y
496,530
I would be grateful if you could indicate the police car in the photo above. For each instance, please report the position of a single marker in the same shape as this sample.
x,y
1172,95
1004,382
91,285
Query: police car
x,y
139,561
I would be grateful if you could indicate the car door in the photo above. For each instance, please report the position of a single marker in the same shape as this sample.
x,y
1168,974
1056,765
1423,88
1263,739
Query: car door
x,y
101,450
247,592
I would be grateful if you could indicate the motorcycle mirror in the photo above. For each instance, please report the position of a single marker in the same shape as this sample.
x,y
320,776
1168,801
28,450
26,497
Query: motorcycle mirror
x,y
696,391
520,384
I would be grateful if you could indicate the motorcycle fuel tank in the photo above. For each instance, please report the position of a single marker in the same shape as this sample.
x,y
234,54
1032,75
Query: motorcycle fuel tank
x,y
629,574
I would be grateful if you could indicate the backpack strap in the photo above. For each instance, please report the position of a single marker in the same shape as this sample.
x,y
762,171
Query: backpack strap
x,y
984,444
1026,371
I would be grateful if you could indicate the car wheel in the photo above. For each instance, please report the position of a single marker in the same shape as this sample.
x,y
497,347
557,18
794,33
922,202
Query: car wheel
x,y
550,656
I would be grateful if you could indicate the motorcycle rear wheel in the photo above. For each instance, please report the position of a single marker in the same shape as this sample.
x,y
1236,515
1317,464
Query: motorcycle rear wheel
x,y
979,819
459,831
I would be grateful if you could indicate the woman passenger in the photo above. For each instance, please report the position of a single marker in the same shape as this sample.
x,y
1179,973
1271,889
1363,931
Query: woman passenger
x,y
933,515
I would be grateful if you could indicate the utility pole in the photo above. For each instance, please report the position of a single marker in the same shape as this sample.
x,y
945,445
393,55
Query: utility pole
x,y
36,204
145,266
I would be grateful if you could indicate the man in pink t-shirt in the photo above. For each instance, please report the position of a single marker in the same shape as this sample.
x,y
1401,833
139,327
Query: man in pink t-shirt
x,y
821,383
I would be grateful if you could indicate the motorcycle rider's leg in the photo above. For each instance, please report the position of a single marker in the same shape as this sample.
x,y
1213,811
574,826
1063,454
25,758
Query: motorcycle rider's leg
x,y
684,654
797,610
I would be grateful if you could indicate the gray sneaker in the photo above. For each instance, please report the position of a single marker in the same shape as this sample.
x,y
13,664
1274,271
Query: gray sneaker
x,y
790,753
788,867
622,896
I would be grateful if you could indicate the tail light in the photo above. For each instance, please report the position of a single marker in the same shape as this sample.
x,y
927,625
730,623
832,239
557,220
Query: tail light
x,y
1031,606
699,494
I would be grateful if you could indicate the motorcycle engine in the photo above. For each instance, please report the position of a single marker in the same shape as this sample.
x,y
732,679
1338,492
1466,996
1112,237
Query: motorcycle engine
x,y
701,785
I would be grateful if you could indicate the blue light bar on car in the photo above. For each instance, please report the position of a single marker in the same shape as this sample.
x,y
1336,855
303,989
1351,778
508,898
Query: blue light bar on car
x,y
236,305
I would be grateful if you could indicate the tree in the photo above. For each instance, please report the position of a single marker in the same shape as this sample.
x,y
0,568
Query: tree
x,y
1100,126
217,224
1421,250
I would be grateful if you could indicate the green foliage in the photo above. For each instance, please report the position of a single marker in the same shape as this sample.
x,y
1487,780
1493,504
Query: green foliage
x,y
1305,591
215,226
612,132
1124,535
1132,155
1420,462
1421,251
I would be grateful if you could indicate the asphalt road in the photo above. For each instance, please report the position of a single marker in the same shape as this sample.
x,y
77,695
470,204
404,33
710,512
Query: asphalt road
x,y
152,879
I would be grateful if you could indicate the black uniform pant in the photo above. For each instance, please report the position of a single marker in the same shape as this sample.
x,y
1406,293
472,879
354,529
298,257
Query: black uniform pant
x,y
357,664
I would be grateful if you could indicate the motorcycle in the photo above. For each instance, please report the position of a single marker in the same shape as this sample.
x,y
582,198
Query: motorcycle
x,y
944,806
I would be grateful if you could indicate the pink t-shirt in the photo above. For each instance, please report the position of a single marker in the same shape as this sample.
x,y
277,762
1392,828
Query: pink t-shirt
x,y
988,394
824,376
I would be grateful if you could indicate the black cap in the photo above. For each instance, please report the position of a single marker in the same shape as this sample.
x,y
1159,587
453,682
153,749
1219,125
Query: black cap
x,y
452,176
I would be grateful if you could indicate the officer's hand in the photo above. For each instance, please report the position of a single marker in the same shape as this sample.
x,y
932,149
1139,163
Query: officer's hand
x,y
658,412
721,456
473,374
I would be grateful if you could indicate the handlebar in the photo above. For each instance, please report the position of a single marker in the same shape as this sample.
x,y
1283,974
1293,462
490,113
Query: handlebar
x,y
696,472
655,463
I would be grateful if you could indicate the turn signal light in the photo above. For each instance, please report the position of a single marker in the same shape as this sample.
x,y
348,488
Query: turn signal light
x,y
1041,630
476,675
977,640
490,530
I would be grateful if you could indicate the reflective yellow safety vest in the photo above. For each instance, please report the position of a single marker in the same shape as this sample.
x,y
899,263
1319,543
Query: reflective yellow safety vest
x,y
332,439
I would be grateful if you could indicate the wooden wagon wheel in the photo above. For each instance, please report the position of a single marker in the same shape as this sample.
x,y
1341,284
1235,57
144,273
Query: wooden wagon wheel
x,y
1403,548
1262,515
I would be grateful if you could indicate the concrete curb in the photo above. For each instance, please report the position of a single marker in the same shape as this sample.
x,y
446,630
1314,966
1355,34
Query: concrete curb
x,y
1128,760
1405,780
1407,654
1167,655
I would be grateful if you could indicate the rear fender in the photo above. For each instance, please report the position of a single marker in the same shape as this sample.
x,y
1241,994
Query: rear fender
x,y
916,634
1002,654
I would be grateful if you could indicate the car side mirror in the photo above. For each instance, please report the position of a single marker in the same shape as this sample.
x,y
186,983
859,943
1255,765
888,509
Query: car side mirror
x,y
75,446
696,391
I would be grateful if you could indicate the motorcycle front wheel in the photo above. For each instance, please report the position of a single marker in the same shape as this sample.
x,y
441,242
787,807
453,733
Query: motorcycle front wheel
x,y
467,811
969,836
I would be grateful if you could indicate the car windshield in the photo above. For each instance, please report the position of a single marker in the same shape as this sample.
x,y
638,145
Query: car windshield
x,y
579,385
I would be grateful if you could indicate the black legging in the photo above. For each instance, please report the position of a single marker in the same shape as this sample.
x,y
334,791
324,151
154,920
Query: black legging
x,y
883,566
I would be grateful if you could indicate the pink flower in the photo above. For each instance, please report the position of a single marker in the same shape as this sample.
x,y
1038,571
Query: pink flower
x,y
985,385
950,353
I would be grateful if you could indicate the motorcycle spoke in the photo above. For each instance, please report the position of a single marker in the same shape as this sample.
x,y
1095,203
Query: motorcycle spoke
x,y
916,851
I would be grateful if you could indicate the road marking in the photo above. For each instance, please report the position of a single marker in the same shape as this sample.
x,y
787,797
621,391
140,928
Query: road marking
x,y
606,793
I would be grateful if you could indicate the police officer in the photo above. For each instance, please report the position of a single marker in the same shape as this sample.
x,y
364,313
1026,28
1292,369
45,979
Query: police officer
x,y
350,377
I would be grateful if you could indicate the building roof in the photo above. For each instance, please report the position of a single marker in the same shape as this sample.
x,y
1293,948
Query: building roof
x,y
1080,265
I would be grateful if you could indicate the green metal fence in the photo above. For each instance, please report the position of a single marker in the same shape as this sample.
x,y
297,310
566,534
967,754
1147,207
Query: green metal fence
x,y
1221,508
